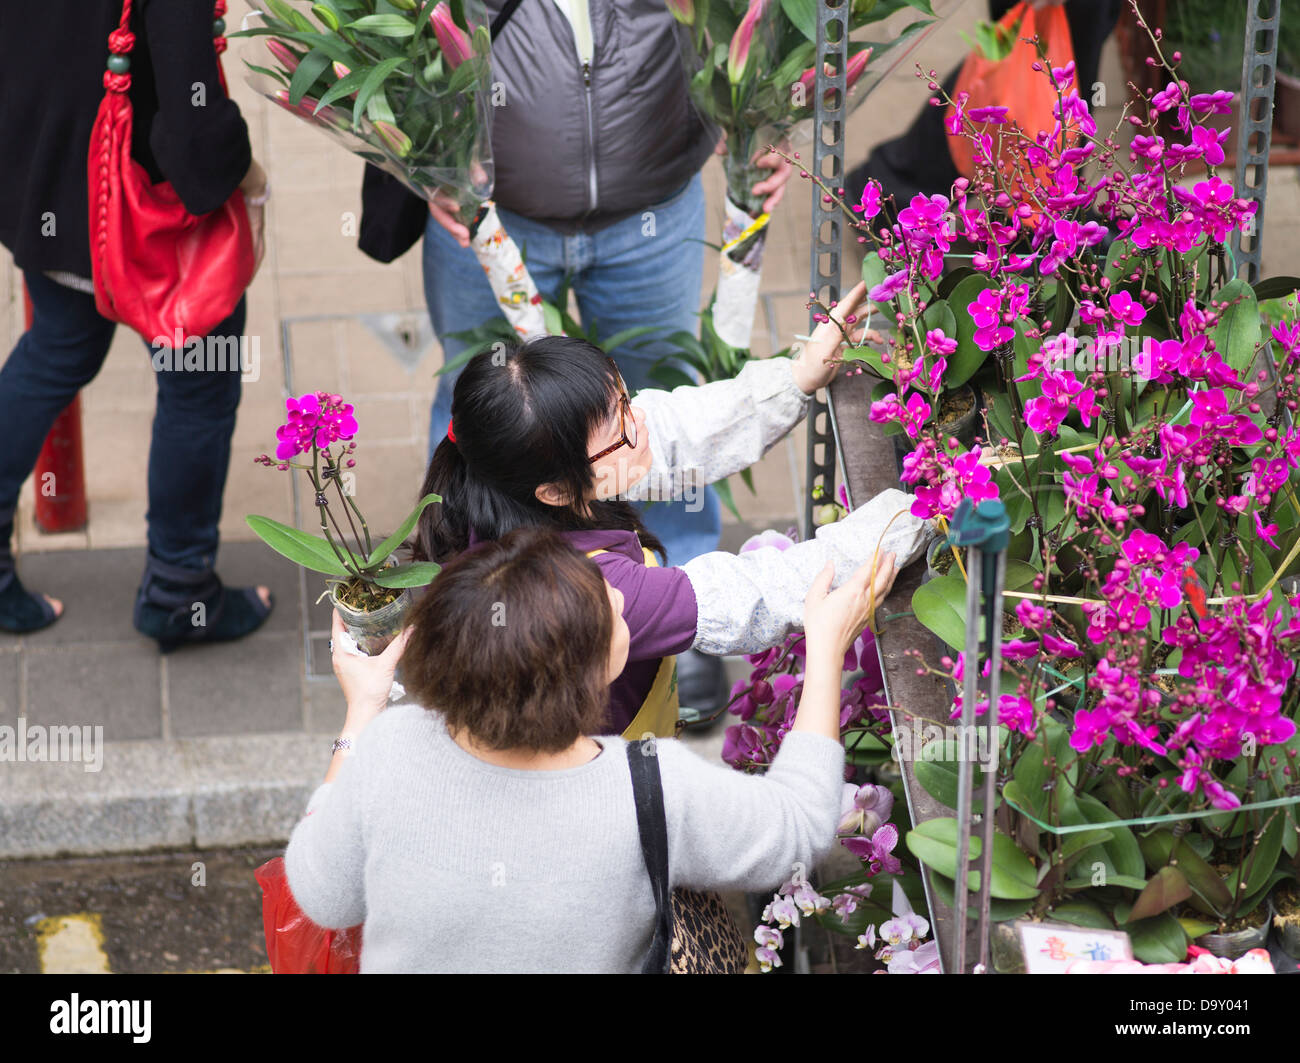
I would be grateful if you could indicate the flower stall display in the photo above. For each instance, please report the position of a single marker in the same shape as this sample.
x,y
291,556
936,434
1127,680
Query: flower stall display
x,y
752,73
406,86
370,590
1138,424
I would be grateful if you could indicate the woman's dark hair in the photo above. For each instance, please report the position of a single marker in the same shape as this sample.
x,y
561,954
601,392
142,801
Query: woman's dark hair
x,y
522,418
512,642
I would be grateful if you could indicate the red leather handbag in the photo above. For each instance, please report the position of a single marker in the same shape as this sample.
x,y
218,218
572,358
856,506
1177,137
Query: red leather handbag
x,y
161,270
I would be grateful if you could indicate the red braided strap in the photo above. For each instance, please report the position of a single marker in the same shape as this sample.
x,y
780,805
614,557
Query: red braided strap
x,y
220,43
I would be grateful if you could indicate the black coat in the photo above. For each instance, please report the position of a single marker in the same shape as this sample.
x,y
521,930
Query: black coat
x,y
52,61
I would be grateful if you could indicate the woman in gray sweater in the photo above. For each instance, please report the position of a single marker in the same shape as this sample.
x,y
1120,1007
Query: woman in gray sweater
x,y
490,831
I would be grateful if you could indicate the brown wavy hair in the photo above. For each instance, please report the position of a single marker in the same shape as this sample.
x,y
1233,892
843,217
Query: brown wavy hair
x,y
511,643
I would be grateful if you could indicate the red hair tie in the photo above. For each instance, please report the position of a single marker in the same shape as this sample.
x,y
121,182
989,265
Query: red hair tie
x,y
450,434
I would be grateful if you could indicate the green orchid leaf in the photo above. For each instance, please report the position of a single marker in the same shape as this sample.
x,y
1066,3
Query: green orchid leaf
x,y
415,574
934,842
300,547
1166,887
398,537
1160,939
967,358
941,606
1082,912
1122,855
1238,331
1000,911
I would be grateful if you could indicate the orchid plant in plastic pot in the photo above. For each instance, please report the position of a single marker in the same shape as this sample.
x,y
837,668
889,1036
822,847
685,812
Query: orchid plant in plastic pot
x,y
1139,421
367,586
406,86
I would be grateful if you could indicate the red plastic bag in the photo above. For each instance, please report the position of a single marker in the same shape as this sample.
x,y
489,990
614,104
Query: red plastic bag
x,y
294,944
1028,94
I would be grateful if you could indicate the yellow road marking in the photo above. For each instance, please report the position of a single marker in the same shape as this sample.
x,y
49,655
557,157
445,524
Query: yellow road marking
x,y
72,944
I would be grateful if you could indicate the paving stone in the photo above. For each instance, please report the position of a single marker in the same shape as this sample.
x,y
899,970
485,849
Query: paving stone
x,y
97,588
250,686
10,667
115,684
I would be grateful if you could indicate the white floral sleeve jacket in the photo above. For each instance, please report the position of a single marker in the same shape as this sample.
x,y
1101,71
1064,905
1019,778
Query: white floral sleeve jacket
x,y
749,602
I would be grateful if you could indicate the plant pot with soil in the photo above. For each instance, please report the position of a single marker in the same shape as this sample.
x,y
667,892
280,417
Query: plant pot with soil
x,y
368,587
1286,918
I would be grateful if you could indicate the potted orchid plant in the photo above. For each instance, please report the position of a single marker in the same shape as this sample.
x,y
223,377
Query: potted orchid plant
x,y
1138,422
368,588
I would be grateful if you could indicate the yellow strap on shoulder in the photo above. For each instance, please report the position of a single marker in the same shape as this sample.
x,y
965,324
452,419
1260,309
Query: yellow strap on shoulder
x,y
658,713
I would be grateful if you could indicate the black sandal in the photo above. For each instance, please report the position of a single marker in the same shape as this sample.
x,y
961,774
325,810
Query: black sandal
x,y
20,610
167,608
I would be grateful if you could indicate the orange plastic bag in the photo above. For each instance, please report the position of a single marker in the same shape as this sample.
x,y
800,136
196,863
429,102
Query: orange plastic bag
x,y
294,944
1012,82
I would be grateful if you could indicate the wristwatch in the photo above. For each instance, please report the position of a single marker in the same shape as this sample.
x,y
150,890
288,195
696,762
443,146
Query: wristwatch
x,y
341,744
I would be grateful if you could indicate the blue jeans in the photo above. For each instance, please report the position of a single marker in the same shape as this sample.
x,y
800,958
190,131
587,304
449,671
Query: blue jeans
x,y
645,270
193,423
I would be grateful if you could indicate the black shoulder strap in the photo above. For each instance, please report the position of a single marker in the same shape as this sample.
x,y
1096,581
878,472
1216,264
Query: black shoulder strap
x,y
503,16
647,788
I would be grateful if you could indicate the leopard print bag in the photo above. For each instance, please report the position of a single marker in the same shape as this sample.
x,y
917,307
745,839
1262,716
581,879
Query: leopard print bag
x,y
694,932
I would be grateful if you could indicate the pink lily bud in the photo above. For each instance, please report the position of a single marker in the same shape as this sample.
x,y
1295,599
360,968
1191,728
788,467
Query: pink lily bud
x,y
738,54
394,138
286,57
307,109
682,10
340,71
451,38
856,65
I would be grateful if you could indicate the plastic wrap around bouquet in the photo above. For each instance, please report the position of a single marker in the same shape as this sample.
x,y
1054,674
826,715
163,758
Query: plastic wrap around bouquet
x,y
752,71
406,88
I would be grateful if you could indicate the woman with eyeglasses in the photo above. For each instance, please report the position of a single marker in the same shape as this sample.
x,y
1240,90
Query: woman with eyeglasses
x,y
549,436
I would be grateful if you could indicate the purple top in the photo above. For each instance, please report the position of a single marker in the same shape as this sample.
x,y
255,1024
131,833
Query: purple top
x,y
658,606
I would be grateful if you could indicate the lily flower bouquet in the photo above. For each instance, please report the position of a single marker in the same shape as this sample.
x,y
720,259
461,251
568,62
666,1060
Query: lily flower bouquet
x,y
751,70
405,85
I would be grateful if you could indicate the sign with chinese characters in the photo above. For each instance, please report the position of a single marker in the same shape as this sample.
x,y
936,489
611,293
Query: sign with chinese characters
x,y
1050,947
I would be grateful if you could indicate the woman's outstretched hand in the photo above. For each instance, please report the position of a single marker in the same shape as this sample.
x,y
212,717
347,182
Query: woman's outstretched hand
x,y
817,362
833,619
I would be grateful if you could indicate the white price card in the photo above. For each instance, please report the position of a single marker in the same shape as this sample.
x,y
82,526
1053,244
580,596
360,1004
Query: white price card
x,y
1051,947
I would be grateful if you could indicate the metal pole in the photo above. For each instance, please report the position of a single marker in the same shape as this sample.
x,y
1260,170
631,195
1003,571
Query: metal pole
x,y
828,164
1254,133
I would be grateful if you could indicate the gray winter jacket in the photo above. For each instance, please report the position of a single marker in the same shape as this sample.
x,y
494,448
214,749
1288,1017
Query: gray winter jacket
x,y
580,149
